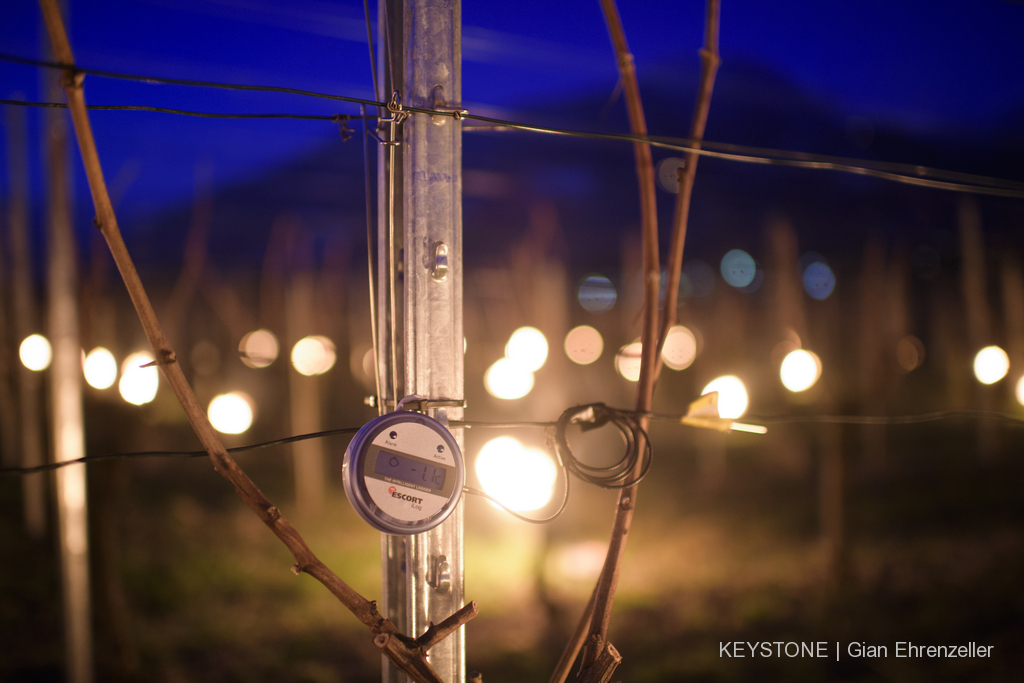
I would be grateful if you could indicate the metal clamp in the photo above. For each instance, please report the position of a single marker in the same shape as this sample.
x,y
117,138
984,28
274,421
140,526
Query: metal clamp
x,y
439,574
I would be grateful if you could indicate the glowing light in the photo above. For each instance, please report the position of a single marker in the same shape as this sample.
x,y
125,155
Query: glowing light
x,y
508,380
627,361
313,355
819,280
258,349
597,294
680,348
583,345
738,268
909,353
991,365
100,368
732,396
1020,391
580,561
667,173
521,478
528,347
138,385
35,352
231,413
800,370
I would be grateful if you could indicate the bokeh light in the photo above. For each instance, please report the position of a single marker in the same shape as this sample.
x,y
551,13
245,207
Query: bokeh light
x,y
100,368
738,268
800,370
819,280
1019,392
680,348
732,396
580,561
583,345
521,478
35,352
231,413
529,347
313,355
508,379
138,385
597,294
627,361
667,173
258,349
909,353
991,365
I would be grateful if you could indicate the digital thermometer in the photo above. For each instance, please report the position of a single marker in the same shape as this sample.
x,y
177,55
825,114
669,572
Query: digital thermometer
x,y
403,473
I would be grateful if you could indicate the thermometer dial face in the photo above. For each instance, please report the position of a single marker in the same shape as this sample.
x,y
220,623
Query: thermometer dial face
x,y
403,473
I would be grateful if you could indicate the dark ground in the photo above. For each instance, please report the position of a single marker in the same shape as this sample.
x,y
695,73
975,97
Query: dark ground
x,y
935,554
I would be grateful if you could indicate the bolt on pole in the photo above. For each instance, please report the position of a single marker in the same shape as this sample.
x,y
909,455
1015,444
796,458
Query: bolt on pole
x,y
420,185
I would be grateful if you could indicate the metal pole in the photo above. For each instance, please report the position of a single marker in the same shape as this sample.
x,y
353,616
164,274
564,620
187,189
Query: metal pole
x,y
421,41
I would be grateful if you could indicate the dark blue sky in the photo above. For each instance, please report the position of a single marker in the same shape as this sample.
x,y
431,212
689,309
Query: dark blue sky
x,y
917,64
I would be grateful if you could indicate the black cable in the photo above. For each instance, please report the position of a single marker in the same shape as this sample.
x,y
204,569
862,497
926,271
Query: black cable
x,y
619,475
532,520
173,454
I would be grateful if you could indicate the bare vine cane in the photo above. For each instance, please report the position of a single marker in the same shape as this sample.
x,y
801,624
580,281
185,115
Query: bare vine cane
x,y
709,59
409,654
597,660
599,657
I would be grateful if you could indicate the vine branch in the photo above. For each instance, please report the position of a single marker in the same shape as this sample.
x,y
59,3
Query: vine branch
x,y
710,60
407,653
599,657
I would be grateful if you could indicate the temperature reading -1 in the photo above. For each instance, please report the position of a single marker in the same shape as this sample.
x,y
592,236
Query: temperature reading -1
x,y
410,470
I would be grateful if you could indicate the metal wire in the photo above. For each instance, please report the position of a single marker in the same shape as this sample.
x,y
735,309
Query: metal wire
x,y
910,174
369,260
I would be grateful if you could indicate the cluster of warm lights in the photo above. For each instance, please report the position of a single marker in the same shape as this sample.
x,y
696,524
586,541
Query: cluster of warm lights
x,y
511,377
521,478
678,353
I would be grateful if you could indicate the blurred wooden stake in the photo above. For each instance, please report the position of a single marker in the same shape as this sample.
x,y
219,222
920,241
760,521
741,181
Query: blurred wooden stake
x,y
68,430
830,499
303,391
979,315
1013,311
25,322
9,362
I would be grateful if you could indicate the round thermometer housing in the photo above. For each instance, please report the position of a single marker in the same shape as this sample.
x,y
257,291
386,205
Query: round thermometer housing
x,y
403,473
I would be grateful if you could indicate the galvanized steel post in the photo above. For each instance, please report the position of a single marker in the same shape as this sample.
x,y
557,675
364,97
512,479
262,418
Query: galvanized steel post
x,y
420,44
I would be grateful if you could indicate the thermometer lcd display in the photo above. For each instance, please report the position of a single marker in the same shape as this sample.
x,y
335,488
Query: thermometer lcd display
x,y
414,471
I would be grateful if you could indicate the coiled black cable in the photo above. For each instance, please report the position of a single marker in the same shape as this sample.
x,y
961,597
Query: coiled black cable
x,y
619,475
